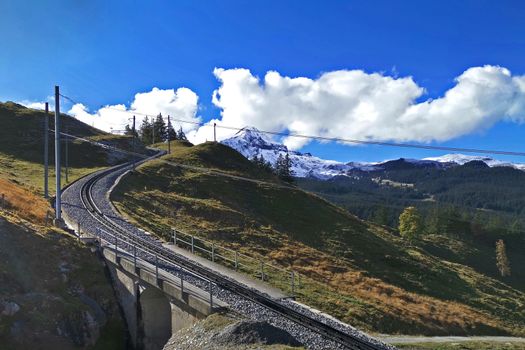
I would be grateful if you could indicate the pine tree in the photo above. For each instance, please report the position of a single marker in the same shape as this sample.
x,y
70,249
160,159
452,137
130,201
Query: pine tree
x,y
265,165
171,133
129,131
283,168
261,163
380,215
477,224
255,160
160,129
435,223
410,223
502,261
181,135
288,169
279,166
146,132
516,228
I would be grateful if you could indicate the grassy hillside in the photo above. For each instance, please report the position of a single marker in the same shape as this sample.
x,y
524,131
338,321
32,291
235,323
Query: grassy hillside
x,y
491,198
359,272
58,287
62,296
22,147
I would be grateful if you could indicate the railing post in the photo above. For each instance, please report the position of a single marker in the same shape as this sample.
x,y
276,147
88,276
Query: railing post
x,y
156,269
181,283
236,261
213,252
292,277
135,258
78,231
192,245
211,297
262,270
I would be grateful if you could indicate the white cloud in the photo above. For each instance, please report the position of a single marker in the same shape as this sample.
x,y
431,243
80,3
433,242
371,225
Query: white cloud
x,y
38,104
357,105
179,104
347,104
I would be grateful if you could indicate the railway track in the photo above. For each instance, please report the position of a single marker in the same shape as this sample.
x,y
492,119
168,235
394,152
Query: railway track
x,y
130,240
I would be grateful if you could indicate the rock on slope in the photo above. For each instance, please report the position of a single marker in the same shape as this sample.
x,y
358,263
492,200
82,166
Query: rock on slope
x,y
228,332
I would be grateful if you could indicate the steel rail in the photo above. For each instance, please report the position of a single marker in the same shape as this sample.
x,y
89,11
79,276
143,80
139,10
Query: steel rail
x,y
334,334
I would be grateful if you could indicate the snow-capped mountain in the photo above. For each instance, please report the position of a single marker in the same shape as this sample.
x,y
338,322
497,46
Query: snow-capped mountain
x,y
250,142
463,159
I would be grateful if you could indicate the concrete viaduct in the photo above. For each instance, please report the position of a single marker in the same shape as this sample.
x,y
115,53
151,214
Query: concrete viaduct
x,y
155,303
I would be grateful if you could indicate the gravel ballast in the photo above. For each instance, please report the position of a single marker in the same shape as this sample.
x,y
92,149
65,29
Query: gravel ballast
x,y
74,212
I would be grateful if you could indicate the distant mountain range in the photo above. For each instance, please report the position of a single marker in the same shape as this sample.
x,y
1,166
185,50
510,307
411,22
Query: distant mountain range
x,y
250,142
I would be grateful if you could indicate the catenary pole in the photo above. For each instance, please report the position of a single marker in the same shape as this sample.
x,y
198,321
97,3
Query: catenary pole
x,y
169,136
58,202
153,132
66,127
133,143
46,151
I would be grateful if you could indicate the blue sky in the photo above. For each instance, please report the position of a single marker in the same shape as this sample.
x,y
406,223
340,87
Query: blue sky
x,y
104,52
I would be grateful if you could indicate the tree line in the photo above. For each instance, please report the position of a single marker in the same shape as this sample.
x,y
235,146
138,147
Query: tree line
x,y
449,220
282,167
411,228
156,130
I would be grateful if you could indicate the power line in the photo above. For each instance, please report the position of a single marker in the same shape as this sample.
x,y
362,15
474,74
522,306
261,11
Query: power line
x,y
69,99
345,140
336,139
203,170
216,172
207,171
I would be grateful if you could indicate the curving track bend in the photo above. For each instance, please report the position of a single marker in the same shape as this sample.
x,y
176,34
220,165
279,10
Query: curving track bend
x,y
87,202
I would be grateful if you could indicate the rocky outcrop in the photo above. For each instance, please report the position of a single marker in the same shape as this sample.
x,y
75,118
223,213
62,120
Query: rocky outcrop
x,y
254,332
8,308
54,293
230,332
80,327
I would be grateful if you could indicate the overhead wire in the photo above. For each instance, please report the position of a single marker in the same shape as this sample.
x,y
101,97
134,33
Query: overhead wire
x,y
202,170
207,171
333,139
345,140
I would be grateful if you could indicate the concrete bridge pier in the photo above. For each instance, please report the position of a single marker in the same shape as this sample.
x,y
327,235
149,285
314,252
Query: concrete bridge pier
x,y
155,319
154,308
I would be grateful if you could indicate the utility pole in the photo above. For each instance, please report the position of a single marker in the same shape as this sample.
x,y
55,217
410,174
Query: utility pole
x,y
153,132
66,127
214,132
58,201
169,136
46,152
133,143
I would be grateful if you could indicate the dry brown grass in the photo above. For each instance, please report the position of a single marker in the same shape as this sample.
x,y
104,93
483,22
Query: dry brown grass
x,y
360,273
391,300
23,202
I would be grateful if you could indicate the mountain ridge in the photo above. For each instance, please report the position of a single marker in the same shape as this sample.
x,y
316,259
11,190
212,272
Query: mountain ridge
x,y
251,142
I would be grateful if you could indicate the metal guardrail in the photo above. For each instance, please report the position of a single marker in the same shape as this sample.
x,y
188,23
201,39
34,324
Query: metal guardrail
x,y
150,266
343,338
258,266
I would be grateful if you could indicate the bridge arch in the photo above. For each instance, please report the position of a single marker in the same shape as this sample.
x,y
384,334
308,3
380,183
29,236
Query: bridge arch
x,y
155,318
